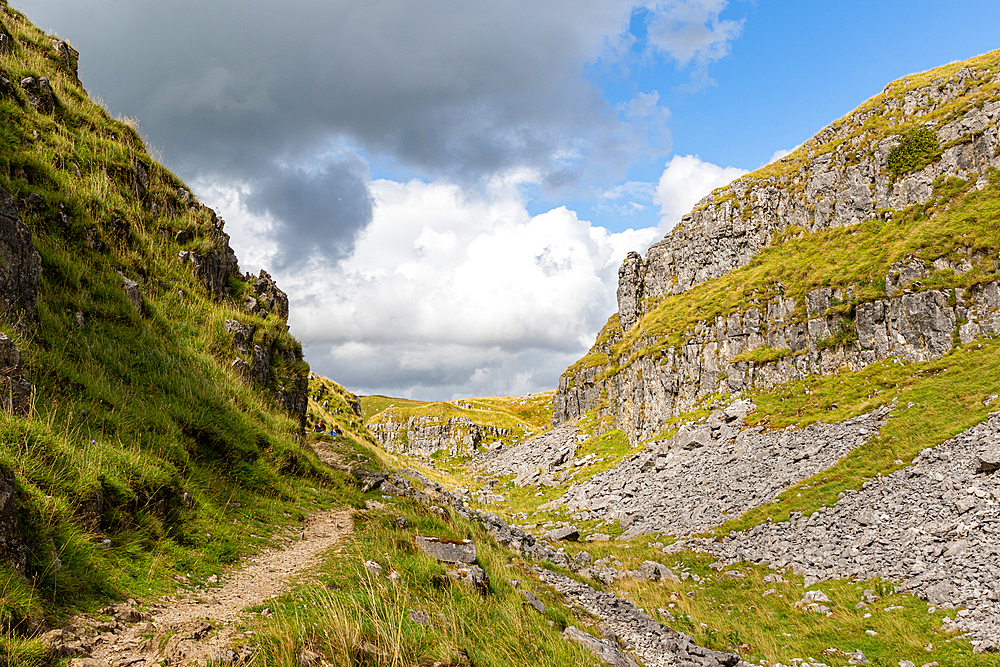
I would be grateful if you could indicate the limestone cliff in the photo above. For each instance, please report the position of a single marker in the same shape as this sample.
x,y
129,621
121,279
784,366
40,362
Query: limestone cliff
x,y
677,337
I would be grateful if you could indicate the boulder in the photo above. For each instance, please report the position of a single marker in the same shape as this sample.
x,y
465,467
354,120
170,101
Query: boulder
x,y
471,575
653,571
532,600
20,263
690,437
134,293
989,459
605,651
39,93
564,533
447,551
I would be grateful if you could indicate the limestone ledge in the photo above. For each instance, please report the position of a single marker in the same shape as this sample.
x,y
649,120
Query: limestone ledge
x,y
913,326
425,435
845,185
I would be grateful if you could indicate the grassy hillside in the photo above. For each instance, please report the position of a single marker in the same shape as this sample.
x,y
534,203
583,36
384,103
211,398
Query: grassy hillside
x,y
144,455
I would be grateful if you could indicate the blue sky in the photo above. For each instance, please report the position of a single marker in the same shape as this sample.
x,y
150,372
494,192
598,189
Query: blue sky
x,y
446,189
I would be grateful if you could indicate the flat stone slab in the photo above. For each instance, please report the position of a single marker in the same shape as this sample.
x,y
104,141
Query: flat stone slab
x,y
989,460
447,551
564,533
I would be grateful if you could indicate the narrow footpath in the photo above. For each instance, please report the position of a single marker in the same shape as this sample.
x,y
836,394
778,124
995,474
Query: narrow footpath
x,y
199,625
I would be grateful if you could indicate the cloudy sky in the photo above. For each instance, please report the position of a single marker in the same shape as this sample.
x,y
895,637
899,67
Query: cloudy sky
x,y
446,188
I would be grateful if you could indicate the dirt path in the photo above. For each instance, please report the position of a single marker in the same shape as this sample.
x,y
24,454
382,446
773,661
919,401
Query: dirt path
x,y
198,626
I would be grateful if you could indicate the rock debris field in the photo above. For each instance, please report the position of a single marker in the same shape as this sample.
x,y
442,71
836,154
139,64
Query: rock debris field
x,y
713,471
934,526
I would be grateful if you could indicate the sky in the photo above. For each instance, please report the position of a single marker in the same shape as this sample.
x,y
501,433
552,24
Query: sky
x,y
446,188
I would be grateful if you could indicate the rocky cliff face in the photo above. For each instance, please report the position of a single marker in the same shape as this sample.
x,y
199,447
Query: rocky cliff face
x,y
425,435
841,178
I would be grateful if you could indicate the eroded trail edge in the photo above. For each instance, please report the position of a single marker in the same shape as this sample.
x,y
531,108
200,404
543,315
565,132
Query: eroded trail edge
x,y
199,625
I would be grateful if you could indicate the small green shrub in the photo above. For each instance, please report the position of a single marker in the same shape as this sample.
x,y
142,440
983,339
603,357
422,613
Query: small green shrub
x,y
919,148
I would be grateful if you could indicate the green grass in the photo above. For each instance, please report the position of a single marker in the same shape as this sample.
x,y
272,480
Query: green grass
x,y
349,607
131,411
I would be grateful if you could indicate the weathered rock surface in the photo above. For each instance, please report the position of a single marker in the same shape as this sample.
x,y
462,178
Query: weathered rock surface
x,y
654,644
133,293
20,263
70,57
843,179
934,526
12,548
604,650
16,390
447,551
713,471
425,435
726,230
269,298
39,93
911,327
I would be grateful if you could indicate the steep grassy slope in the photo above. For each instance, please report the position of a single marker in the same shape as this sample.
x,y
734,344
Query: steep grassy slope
x,y
145,454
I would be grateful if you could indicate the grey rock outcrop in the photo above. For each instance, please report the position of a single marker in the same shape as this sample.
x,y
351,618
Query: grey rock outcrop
x,y
839,178
843,186
12,547
912,326
269,298
69,56
16,391
656,645
213,269
425,435
39,93
934,526
20,263
675,488
242,335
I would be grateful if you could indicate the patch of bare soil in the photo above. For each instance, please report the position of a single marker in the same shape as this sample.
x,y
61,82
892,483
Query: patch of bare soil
x,y
198,626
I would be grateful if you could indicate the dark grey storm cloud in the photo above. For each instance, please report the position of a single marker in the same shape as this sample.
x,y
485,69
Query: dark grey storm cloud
x,y
319,208
235,89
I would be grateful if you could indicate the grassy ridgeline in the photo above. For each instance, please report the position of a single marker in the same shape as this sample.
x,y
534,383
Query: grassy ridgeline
x,y
141,441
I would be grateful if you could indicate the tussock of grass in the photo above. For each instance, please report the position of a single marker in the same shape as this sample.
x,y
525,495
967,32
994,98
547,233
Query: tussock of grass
x,y
356,618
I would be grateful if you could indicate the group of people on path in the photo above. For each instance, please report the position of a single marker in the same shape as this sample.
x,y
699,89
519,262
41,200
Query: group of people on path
x,y
320,427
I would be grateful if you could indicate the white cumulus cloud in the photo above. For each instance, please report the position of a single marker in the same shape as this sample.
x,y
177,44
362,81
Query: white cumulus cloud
x,y
684,182
449,292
